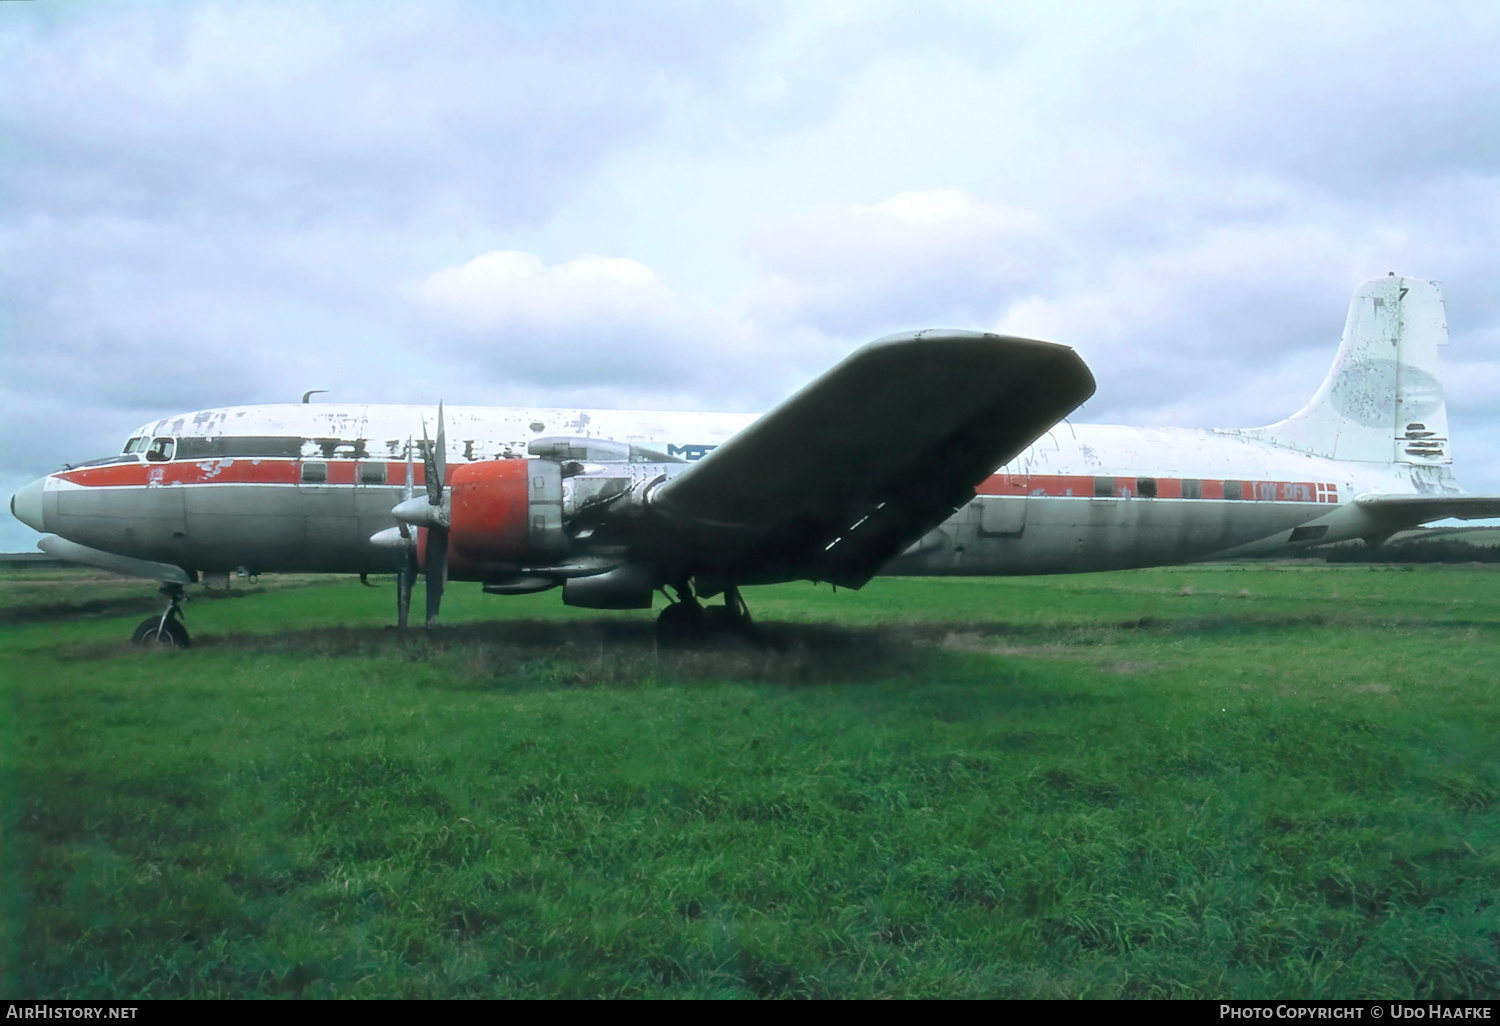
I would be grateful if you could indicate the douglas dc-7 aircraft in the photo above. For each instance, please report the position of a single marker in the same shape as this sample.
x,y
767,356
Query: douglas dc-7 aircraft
x,y
887,464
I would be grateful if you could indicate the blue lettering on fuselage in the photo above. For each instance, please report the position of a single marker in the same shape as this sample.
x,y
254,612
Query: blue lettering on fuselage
x,y
690,452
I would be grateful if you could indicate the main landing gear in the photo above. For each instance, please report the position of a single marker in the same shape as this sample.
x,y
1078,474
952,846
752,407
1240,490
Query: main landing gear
x,y
165,630
688,622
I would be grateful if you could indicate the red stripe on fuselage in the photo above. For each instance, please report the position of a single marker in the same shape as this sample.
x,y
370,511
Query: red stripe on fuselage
x,y
235,471
1063,485
347,472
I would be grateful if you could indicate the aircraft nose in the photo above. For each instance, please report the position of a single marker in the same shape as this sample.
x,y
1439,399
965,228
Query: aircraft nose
x,y
26,504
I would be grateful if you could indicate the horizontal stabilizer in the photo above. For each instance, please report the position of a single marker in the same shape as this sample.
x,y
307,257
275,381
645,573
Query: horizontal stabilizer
x,y
1422,509
847,473
1373,517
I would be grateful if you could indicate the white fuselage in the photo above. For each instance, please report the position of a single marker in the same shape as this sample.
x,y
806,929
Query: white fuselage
x,y
304,487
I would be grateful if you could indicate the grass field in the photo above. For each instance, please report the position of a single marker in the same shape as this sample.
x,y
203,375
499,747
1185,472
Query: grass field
x,y
1284,783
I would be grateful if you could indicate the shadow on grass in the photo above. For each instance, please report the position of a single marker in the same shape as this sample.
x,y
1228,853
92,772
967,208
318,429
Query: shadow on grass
x,y
619,651
613,652
521,656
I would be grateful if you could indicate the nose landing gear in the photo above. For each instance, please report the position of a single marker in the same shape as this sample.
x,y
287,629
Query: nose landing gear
x,y
165,630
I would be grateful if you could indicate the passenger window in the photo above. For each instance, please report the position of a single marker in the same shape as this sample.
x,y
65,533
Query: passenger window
x,y
1232,490
1145,487
1192,489
314,473
1104,487
372,473
161,450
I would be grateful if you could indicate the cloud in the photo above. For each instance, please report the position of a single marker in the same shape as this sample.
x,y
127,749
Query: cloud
x,y
915,259
946,208
591,322
288,114
508,291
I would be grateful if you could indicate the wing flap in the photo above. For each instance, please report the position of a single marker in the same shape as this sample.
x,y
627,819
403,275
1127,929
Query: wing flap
x,y
845,474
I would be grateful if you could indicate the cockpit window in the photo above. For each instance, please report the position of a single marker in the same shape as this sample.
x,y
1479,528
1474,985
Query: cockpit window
x,y
161,450
134,445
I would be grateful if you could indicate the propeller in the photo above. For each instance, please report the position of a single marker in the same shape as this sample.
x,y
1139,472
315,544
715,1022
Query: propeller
x,y
434,464
406,571
429,511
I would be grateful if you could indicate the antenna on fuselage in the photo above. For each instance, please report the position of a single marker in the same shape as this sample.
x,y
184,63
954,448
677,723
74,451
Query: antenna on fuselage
x,y
307,396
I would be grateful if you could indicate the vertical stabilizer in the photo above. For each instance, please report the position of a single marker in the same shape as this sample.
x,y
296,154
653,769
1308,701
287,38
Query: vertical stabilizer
x,y
1383,400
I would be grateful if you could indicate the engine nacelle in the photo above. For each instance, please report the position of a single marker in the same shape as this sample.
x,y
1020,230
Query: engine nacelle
x,y
596,450
503,514
628,586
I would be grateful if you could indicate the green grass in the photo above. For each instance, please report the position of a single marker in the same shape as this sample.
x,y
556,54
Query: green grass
x,y
1082,786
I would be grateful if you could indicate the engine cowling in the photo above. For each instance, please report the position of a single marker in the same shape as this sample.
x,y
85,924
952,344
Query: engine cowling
x,y
503,514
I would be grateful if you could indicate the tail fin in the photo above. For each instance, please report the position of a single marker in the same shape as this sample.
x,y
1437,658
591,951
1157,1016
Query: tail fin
x,y
1383,400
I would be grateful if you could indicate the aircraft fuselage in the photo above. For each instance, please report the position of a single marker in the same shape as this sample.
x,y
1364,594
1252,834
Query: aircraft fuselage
x,y
303,488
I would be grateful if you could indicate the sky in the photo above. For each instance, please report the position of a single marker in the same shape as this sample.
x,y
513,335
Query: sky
x,y
704,205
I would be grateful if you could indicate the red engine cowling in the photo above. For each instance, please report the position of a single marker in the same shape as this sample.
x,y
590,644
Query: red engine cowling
x,y
489,512
502,515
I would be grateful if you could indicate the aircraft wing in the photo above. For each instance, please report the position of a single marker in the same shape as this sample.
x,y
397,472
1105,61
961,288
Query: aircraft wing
x,y
844,475
127,566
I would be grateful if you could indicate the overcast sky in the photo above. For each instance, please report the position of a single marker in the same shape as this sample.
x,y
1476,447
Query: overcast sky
x,y
701,206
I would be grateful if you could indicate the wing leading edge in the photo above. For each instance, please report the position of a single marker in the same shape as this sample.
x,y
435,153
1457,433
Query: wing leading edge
x,y
838,479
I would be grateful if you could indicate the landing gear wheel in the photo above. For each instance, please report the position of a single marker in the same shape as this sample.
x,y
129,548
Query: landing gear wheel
x,y
164,629
686,623
679,625
730,622
168,633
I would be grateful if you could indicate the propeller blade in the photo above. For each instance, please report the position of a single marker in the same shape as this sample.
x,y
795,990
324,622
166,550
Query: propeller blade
x,y
406,575
406,561
440,456
406,535
411,474
434,480
437,571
